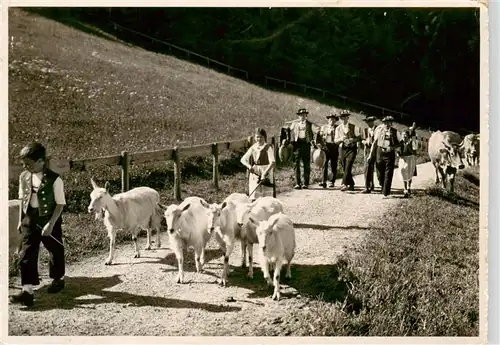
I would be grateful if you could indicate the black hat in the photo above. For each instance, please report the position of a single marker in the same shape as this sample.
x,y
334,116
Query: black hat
x,y
370,118
302,111
330,116
344,113
388,118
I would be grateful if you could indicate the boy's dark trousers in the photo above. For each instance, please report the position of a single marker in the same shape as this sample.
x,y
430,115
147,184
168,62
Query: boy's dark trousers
x,y
332,156
385,167
31,236
369,169
302,153
347,157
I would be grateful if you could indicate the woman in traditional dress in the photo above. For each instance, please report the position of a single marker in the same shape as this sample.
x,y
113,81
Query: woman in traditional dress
x,y
407,160
259,159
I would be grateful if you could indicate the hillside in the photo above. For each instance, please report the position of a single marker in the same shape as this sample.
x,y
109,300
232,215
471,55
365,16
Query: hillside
x,y
87,96
404,59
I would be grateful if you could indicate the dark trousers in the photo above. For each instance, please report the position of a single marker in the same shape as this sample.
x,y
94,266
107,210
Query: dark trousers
x,y
31,236
347,157
385,167
332,157
369,169
302,152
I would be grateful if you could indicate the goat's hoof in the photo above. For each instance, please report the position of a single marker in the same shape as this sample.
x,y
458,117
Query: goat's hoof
x,y
276,297
250,275
243,265
108,262
223,283
179,281
147,248
137,255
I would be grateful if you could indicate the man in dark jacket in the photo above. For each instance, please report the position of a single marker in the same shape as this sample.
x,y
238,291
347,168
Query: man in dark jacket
x,y
326,137
301,137
384,152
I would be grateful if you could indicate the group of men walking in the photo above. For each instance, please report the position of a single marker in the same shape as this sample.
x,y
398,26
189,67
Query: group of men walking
x,y
341,142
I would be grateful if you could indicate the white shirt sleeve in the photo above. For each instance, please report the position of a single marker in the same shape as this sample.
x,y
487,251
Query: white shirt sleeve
x,y
338,136
270,154
59,191
245,160
20,188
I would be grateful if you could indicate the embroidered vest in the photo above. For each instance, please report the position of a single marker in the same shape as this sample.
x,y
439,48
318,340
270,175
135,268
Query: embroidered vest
x,y
350,134
295,130
387,138
407,148
45,193
369,137
324,133
259,157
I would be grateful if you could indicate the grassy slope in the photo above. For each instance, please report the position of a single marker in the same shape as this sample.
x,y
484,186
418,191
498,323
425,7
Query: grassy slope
x,y
417,276
86,96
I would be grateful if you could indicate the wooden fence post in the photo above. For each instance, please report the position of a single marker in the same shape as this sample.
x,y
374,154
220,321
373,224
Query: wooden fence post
x,y
177,174
215,165
125,162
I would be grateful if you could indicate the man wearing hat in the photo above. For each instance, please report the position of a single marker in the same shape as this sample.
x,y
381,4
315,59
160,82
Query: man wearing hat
x,y
383,151
326,138
301,137
347,137
367,141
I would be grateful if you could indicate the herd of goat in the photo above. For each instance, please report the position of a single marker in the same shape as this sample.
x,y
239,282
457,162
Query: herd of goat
x,y
194,221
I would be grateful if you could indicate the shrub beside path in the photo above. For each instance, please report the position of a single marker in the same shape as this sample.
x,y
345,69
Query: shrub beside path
x,y
140,296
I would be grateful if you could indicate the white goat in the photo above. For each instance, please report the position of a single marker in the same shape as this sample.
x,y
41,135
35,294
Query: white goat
x,y
131,211
222,219
187,226
260,209
277,243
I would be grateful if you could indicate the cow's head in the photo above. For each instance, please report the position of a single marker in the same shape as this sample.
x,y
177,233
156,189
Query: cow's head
x,y
450,157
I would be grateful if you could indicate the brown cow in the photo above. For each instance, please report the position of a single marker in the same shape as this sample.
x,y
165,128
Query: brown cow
x,y
469,149
444,153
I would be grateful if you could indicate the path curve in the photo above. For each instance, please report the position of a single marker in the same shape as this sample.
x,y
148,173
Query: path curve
x,y
139,296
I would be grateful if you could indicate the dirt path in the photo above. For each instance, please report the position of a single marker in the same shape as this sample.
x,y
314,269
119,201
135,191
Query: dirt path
x,y
140,297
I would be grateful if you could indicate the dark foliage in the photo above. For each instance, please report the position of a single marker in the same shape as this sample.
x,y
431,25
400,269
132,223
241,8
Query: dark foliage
x,y
417,60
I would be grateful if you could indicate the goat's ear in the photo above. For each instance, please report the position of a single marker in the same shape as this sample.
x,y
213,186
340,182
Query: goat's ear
x,y
186,207
94,185
224,204
106,186
204,203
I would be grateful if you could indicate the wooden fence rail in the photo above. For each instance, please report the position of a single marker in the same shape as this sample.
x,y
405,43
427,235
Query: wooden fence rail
x,y
126,159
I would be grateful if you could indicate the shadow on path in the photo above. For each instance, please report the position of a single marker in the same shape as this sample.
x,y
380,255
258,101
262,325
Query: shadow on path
x,y
78,287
